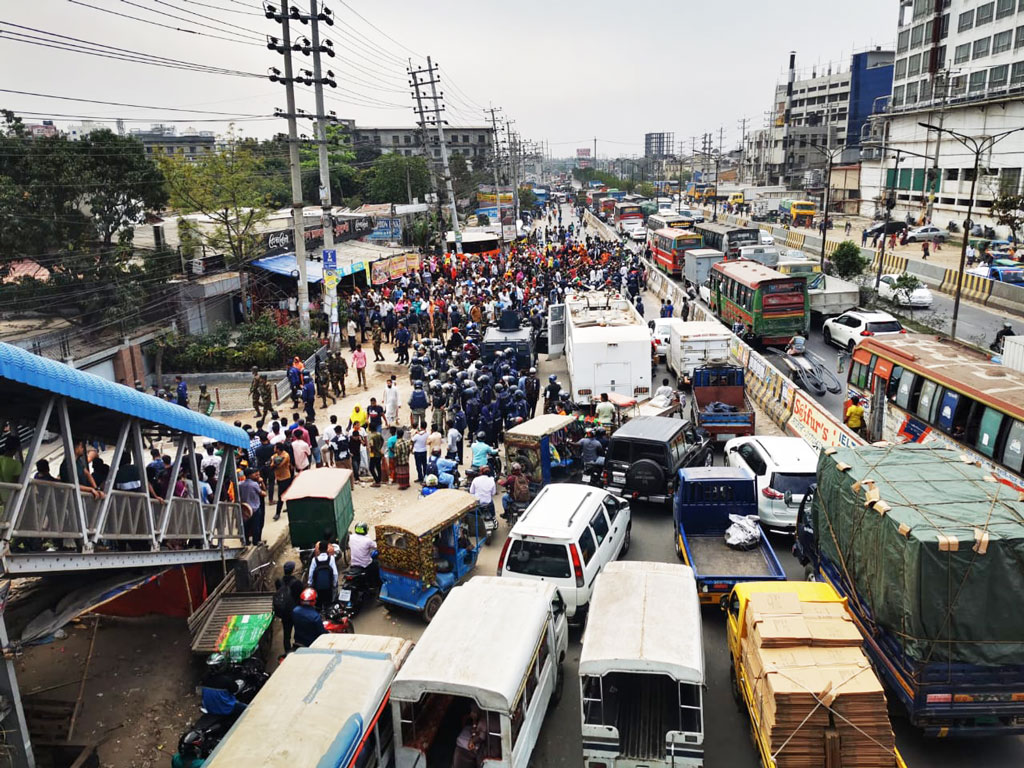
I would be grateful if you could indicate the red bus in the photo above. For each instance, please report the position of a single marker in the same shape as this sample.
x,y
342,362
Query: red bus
x,y
625,213
669,246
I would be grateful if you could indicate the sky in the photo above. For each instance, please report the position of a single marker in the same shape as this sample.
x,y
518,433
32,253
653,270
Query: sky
x,y
565,72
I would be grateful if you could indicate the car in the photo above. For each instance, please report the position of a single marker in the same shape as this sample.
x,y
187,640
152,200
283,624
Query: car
x,y
848,328
661,335
920,297
567,535
784,467
892,228
693,213
638,234
767,238
704,291
928,233
645,455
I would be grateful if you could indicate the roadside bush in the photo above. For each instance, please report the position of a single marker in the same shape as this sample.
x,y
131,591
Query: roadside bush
x,y
258,343
847,261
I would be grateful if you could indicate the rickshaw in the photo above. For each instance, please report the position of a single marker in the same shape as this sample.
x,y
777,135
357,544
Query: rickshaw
x,y
426,548
319,503
627,408
541,446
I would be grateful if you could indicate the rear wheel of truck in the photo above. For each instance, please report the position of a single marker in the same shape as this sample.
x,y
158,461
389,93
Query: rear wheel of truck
x,y
556,692
679,548
734,684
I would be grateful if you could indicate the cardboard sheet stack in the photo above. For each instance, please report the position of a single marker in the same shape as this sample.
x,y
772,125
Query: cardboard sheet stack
x,y
796,653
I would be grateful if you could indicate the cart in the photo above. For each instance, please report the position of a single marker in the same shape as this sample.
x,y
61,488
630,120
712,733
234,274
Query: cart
x,y
320,504
542,446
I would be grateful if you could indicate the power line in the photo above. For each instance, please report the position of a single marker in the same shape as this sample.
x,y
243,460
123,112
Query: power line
x,y
380,31
122,104
164,26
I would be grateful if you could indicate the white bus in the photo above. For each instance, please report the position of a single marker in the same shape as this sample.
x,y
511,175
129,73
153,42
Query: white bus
x,y
324,705
642,669
493,652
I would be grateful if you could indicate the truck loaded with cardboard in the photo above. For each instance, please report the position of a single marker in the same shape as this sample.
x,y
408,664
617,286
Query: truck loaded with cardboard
x,y
798,668
928,549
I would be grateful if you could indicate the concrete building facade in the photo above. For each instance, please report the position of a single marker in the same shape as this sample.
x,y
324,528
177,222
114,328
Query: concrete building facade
x,y
476,143
659,145
165,140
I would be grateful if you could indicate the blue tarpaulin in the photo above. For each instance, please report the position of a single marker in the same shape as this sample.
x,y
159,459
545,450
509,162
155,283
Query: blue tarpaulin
x,y
285,264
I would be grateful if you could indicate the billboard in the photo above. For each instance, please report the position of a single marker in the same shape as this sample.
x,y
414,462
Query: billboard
x,y
386,230
383,270
348,228
583,152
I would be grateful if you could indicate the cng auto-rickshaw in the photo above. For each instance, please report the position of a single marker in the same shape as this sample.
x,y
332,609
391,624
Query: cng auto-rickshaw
x,y
543,446
319,504
426,548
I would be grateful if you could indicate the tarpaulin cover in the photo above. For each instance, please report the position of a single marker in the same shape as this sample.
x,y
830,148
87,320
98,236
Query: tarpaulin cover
x,y
937,560
241,634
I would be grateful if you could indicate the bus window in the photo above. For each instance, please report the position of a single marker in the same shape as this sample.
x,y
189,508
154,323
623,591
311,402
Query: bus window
x,y
894,382
859,375
948,403
988,431
926,401
906,390
1013,451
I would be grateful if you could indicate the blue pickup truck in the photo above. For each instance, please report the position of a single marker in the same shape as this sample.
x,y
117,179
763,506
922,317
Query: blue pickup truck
x,y
720,403
704,499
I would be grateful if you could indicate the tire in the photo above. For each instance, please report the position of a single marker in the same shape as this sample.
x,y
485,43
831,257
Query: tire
x,y
827,336
431,608
850,345
809,573
646,476
556,692
349,629
735,686
675,542
626,541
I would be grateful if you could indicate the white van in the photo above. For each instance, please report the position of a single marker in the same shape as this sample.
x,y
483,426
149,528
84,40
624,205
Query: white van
x,y
696,343
567,535
642,669
494,651
323,705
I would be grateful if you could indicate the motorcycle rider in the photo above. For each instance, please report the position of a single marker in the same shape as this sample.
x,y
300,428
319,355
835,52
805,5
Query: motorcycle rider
x,y
306,620
361,549
483,489
1002,333
481,451
220,688
323,577
429,485
518,487
191,747
796,346
551,393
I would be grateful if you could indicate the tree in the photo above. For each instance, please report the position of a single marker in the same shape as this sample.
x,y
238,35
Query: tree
x,y
527,199
1008,210
905,285
645,188
226,186
462,180
392,175
847,260
483,220
344,178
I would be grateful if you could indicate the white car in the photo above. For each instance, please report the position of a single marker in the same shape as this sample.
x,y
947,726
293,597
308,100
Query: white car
x,y
784,467
849,328
704,291
767,238
638,234
661,335
920,297
566,537
927,233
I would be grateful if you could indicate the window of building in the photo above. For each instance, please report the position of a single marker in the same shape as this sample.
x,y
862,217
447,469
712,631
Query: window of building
x,y
914,65
984,14
911,97
966,21
968,174
1009,178
482,138
925,89
465,138
395,139
1002,41
901,69
1019,40
1004,8
897,95
997,76
962,53
977,82
981,48
952,174
944,27
1017,73
917,36
959,85
407,139
940,57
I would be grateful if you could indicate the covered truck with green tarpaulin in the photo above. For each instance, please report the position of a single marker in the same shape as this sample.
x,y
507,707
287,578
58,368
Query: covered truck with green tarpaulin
x,y
928,548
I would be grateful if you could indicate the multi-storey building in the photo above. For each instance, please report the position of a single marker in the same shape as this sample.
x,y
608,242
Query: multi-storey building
x,y
165,140
476,143
659,145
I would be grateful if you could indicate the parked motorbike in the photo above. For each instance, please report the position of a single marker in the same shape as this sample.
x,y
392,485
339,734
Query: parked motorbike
x,y
206,732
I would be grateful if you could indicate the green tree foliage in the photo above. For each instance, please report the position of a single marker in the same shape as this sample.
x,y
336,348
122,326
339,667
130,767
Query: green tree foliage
x,y
526,199
227,187
645,188
905,285
71,206
1008,210
462,178
392,174
847,260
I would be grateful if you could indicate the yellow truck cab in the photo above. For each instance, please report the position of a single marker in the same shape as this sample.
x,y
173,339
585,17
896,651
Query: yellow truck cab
x,y
799,670
736,198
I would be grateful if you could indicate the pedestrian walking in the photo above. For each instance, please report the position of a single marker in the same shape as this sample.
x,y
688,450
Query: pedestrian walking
x,y
359,361
351,328
181,392
924,251
286,597
375,449
377,336
402,450
282,465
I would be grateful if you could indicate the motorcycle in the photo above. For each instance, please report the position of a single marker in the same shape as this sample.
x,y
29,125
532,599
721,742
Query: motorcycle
x,y
356,587
494,462
206,732
513,511
593,473
337,620
487,521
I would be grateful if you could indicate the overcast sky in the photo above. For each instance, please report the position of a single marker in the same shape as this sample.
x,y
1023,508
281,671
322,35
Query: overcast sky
x,y
564,71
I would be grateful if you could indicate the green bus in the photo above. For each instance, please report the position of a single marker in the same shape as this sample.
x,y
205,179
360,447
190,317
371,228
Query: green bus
x,y
772,307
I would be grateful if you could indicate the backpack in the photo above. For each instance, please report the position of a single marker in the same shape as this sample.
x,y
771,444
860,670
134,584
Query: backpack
x,y
283,603
520,488
323,577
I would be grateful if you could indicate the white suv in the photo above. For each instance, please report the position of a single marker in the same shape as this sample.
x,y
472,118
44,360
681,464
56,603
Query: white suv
x,y
784,467
566,537
847,330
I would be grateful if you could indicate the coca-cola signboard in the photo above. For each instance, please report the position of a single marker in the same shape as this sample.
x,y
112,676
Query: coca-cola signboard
x,y
347,228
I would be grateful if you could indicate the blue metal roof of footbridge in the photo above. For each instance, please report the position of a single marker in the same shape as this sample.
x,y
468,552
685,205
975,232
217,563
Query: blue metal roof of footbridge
x,y
19,365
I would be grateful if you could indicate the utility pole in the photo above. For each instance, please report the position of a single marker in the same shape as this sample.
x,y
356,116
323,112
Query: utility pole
x,y
513,181
595,154
497,188
718,167
419,110
288,80
326,206
934,184
743,147
438,108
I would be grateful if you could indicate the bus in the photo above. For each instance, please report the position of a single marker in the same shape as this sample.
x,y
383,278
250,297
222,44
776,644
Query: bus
x,y
728,239
627,215
669,246
666,187
669,220
922,390
476,242
773,307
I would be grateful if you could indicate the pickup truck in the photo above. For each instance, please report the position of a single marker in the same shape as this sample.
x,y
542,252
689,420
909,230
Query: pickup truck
x,y
704,499
1001,273
720,404
830,296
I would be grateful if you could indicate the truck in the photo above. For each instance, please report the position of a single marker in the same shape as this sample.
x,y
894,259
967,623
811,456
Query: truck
x,y
695,343
607,345
830,296
927,581
763,254
720,404
704,499
697,265
800,213
779,671
1010,272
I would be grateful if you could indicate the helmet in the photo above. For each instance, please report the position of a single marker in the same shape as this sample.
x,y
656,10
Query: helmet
x,y
432,373
520,395
552,378
430,481
308,596
435,385
533,371
255,369
599,432
499,387
470,391
509,352
1007,324
455,330
217,662
417,384
481,436
498,354
192,744
517,420
517,467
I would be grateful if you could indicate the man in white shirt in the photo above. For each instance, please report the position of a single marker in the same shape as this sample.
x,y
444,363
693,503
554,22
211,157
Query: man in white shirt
x,y
302,451
483,487
211,459
391,402
664,391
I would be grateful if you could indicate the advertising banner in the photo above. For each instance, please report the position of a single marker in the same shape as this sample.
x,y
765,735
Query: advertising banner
x,y
818,428
383,270
386,230
282,240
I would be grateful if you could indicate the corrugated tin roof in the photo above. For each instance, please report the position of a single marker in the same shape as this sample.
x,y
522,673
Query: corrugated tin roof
x,y
23,367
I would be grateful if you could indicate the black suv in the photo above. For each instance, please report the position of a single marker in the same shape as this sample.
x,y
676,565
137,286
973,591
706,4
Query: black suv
x,y
646,453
